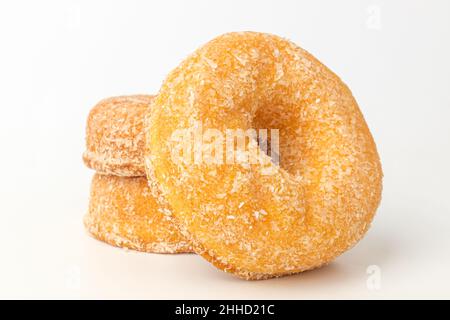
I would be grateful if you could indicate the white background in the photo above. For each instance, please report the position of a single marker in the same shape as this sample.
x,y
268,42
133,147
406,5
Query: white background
x,y
58,58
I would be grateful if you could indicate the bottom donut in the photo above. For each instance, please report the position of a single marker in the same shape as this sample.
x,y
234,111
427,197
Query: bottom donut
x,y
122,212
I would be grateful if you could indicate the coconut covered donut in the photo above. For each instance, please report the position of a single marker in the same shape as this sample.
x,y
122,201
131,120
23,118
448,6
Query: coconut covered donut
x,y
115,136
123,213
259,218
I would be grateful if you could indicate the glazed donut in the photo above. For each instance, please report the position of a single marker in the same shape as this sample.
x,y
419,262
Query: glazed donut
x,y
123,213
262,219
115,136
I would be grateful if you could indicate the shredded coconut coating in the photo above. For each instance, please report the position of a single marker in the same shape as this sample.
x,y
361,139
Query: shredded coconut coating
x,y
123,213
115,136
312,207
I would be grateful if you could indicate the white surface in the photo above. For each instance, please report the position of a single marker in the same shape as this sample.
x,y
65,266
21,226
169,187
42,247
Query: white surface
x,y
58,58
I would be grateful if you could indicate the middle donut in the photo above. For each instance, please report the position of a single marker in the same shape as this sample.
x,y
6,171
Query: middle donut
x,y
122,209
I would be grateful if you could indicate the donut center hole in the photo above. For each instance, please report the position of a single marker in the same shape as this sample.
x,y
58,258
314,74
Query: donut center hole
x,y
281,122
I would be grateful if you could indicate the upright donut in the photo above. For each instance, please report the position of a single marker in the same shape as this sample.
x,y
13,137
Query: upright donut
x,y
261,221
115,136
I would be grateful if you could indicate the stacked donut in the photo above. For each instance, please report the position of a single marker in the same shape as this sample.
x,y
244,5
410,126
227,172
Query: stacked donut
x,y
122,211
271,214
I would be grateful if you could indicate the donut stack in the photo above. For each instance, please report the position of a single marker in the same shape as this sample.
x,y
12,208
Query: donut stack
x,y
258,218
122,210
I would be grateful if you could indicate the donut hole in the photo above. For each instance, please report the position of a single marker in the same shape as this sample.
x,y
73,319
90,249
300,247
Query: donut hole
x,y
280,116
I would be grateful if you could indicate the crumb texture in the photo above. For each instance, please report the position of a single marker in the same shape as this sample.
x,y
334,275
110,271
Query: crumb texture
x,y
115,136
123,213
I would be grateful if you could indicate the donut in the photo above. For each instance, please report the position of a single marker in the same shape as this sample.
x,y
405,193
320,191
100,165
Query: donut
x,y
122,212
258,218
115,136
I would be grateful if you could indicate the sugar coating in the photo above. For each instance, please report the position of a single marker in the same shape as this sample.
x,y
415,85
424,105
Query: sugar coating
x,y
123,213
315,205
115,136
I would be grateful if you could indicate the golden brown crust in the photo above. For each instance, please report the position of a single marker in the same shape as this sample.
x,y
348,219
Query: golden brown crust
x,y
123,213
317,204
115,136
